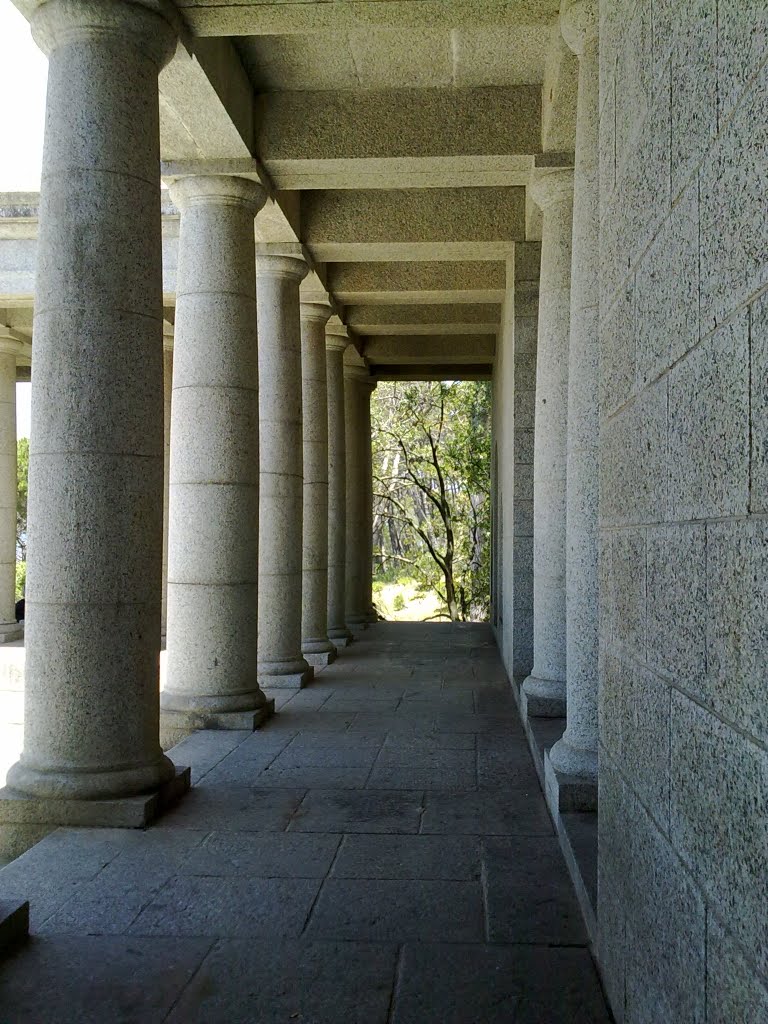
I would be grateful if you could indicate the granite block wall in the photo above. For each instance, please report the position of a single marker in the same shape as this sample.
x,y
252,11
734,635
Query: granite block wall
x,y
683,863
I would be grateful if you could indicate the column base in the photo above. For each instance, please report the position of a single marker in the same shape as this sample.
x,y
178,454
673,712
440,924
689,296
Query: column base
x,y
340,637
10,631
14,924
320,659
566,792
542,698
24,820
287,681
357,625
177,725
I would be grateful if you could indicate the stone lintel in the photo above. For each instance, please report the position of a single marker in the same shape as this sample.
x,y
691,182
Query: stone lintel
x,y
14,924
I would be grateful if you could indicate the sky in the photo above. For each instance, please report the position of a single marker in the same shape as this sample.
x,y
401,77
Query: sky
x,y
23,74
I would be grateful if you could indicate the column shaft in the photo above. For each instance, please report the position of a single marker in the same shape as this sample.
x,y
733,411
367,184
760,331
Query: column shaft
x,y
96,462
337,490
356,389
9,629
214,475
167,392
367,565
576,753
281,663
315,645
544,689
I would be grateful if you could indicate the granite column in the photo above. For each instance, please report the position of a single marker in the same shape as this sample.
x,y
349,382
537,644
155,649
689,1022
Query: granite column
x,y
281,663
91,729
575,754
315,644
214,477
336,342
543,692
9,628
357,390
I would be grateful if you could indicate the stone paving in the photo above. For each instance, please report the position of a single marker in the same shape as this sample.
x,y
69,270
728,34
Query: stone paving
x,y
379,853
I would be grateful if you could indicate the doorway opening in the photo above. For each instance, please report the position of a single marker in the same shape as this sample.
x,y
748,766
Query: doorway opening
x,y
431,458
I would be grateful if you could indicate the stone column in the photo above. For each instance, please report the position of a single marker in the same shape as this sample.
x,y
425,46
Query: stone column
x,y
315,644
576,753
91,729
214,478
281,663
544,690
167,392
9,628
367,566
336,341
357,389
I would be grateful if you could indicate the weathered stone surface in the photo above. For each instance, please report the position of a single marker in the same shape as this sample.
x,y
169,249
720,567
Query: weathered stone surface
x,y
529,898
454,858
438,981
382,910
719,817
759,405
733,990
319,981
665,953
709,426
737,624
676,565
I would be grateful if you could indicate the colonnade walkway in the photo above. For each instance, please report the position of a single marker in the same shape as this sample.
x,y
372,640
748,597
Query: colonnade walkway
x,y
379,852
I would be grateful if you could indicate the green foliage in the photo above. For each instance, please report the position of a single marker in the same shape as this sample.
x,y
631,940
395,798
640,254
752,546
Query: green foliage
x,y
399,603
22,487
21,579
431,464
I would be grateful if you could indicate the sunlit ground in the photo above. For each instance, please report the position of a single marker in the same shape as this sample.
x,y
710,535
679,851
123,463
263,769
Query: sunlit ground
x,y
406,601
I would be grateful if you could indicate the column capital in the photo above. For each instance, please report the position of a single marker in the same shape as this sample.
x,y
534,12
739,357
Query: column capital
x,y
336,335
12,343
152,26
315,312
217,190
291,267
578,23
551,185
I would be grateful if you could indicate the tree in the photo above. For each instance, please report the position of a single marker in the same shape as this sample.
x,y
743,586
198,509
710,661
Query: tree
x,y
22,485
431,458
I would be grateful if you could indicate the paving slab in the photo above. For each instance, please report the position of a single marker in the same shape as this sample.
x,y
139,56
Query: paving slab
x,y
329,811
426,857
232,907
79,979
384,910
529,894
279,983
281,889
458,984
482,813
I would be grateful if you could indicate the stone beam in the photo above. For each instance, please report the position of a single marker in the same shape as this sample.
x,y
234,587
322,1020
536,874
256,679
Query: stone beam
x,y
428,349
434,371
235,18
413,224
400,138
206,103
482,318
414,283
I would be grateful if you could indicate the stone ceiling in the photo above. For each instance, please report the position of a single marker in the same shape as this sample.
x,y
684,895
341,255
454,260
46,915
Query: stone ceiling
x,y
396,137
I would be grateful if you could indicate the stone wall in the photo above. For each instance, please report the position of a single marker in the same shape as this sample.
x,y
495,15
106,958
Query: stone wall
x,y
684,494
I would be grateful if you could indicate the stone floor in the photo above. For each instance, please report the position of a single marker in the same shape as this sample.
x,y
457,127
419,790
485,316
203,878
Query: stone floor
x,y
379,853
